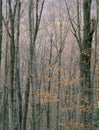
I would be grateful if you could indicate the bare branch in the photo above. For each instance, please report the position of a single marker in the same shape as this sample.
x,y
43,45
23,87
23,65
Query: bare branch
x,y
73,27
15,8
5,24
38,17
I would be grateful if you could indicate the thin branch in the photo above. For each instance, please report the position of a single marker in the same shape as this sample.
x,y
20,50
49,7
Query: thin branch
x,y
15,7
6,27
38,18
78,22
10,10
41,10
74,33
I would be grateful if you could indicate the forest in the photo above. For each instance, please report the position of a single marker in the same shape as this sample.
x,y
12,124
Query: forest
x,y
49,65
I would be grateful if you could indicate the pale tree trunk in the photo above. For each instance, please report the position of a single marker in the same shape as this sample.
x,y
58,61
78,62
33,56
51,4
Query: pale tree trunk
x,y
32,57
61,44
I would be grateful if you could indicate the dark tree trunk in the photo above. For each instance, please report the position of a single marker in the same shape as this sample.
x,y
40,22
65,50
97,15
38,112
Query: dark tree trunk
x,y
34,22
85,69
17,68
49,85
0,30
12,90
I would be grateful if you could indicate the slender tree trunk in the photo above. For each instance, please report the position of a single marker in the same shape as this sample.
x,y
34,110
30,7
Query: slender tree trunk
x,y
17,68
0,30
5,91
12,90
12,63
49,87
34,23
61,44
59,85
25,112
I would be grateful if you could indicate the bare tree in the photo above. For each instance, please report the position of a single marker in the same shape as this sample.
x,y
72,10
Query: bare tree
x,y
34,22
49,83
0,30
5,88
17,66
85,45
46,73
10,28
85,66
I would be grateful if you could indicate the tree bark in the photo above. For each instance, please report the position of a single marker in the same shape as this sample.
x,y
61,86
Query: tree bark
x,y
0,30
34,22
17,67
5,93
49,86
85,69
12,90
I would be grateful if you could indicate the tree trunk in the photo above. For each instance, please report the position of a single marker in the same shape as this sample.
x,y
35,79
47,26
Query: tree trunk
x,y
49,86
0,30
34,22
26,105
5,92
12,90
85,69
17,68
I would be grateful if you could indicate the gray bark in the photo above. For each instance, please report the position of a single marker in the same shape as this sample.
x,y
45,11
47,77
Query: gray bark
x,y
17,68
0,30
49,85
34,23
85,68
